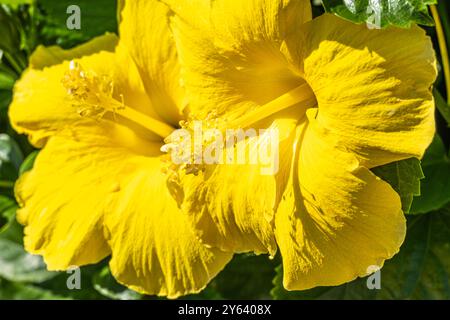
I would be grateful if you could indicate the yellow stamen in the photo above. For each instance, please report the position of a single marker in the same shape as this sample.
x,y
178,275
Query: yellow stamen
x,y
302,96
92,95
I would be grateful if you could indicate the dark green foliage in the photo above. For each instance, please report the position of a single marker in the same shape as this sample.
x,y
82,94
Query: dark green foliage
x,y
404,177
400,13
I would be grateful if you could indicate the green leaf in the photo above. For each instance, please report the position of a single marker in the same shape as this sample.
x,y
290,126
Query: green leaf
x,y
106,285
5,99
7,212
19,291
58,284
400,13
28,163
435,188
95,20
420,270
6,81
442,106
10,39
10,151
15,263
12,231
241,279
355,290
404,176
18,265
10,159
16,3
209,293
5,204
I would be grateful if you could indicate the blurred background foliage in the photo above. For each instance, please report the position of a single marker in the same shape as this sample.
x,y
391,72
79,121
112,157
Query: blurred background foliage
x,y
421,269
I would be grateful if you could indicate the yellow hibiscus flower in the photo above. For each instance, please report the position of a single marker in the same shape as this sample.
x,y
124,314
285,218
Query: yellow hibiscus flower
x,y
100,112
344,98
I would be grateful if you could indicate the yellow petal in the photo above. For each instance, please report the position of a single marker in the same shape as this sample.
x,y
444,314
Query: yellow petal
x,y
154,249
372,86
48,56
230,207
231,60
244,24
145,34
63,197
194,12
337,220
120,6
238,22
95,180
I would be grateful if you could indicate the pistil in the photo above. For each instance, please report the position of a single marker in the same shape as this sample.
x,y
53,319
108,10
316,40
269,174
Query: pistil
x,y
302,96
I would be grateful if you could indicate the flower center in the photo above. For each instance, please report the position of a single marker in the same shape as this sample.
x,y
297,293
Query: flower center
x,y
188,145
92,96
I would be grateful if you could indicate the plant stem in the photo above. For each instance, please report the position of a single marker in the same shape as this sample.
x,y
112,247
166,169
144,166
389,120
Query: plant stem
x,y
443,49
443,10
